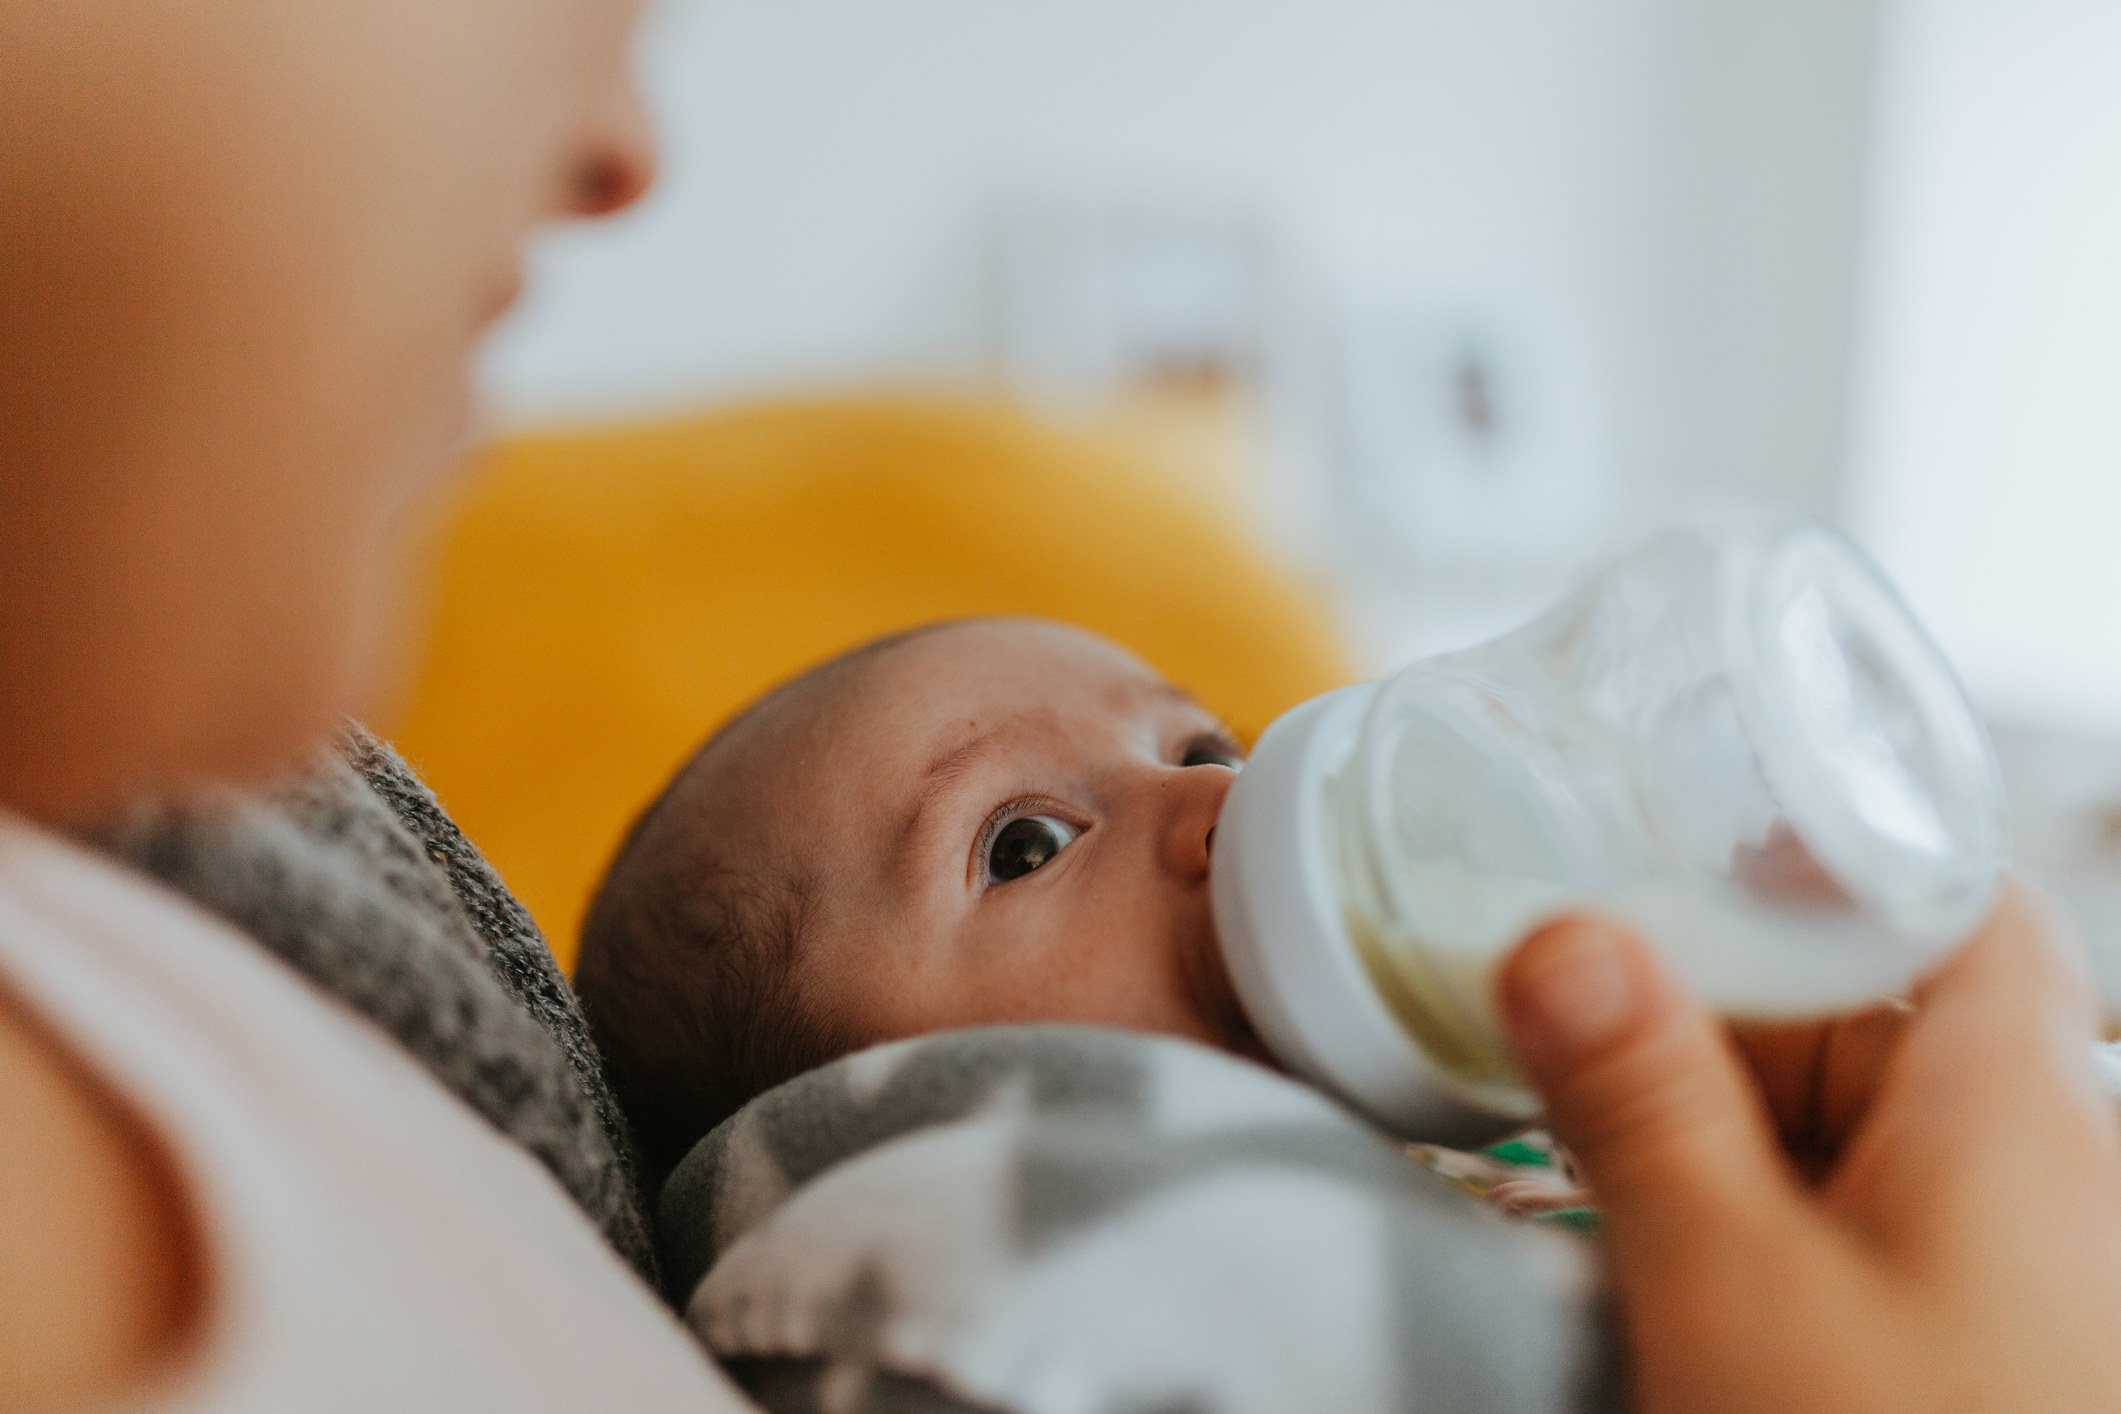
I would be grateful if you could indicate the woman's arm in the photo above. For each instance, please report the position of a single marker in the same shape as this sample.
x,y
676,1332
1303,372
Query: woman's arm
x,y
1920,1261
99,1273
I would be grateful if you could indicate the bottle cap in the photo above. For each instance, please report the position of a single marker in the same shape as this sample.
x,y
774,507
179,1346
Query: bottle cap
x,y
1291,956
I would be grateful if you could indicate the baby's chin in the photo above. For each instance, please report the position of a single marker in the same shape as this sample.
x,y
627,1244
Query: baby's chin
x,y
1246,1043
1221,1016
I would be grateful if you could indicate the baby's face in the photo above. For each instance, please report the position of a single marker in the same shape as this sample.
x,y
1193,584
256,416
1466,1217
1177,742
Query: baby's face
x,y
1006,821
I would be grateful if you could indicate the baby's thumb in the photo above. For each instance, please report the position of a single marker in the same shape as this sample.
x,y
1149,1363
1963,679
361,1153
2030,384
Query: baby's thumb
x,y
1643,1087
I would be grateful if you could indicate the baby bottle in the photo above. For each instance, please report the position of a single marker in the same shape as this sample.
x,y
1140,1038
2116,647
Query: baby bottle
x,y
1736,740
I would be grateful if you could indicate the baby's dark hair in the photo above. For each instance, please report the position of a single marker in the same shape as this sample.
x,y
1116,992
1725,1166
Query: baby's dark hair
x,y
687,966
686,975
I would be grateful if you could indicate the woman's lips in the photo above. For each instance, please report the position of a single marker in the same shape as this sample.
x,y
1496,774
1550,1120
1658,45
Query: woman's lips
x,y
503,292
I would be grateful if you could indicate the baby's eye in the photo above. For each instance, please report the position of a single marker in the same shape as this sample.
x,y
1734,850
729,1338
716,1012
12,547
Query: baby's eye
x,y
1213,753
1024,844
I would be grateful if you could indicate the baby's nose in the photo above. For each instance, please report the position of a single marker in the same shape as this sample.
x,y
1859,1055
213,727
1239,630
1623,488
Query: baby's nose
x,y
1194,800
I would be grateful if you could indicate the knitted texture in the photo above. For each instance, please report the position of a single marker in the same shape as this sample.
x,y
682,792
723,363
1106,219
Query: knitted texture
x,y
351,873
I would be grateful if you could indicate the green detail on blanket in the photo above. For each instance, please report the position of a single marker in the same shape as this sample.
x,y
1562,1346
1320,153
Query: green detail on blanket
x,y
1517,1151
1529,1155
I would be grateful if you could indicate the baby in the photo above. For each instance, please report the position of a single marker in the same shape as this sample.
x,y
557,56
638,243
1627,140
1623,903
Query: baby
x,y
979,822
987,821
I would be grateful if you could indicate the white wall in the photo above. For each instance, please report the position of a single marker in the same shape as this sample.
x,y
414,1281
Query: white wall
x,y
1768,126
1988,448
1655,202
831,164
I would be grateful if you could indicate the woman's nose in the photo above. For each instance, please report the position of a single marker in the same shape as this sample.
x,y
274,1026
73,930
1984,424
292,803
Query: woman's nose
x,y
1193,801
617,161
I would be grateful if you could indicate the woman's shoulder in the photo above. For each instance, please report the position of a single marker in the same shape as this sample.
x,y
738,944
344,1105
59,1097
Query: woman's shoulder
x,y
99,1278
100,1271
361,1231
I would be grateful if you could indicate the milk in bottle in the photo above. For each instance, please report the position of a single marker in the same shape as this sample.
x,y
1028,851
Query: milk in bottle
x,y
1736,739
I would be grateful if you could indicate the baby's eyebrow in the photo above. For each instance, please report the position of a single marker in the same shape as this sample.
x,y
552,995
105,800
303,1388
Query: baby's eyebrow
x,y
953,763
942,773
1172,692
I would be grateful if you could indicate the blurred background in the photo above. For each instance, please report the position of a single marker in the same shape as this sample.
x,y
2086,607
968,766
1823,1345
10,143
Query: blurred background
x,y
1396,315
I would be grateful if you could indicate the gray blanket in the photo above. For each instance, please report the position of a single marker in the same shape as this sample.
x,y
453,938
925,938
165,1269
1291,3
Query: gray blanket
x,y
1063,1220
1040,1221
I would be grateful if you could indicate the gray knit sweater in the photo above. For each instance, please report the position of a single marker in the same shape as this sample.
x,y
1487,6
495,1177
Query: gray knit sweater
x,y
351,872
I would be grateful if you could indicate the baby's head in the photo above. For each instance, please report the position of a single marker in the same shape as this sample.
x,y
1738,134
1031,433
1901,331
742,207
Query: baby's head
x,y
988,821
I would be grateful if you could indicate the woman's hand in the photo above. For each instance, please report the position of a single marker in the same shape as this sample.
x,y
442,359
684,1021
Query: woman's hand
x,y
1917,1209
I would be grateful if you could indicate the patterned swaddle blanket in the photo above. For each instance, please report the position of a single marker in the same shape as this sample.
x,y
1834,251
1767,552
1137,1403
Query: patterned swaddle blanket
x,y
1066,1220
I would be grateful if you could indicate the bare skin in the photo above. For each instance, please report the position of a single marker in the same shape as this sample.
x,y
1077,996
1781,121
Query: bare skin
x,y
891,789
1847,1224
108,1276
246,251
248,259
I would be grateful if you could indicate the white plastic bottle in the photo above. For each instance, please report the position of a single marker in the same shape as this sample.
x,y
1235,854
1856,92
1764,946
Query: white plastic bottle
x,y
1736,739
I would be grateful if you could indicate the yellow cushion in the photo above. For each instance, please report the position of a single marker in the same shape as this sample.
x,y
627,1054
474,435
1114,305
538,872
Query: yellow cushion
x,y
605,599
